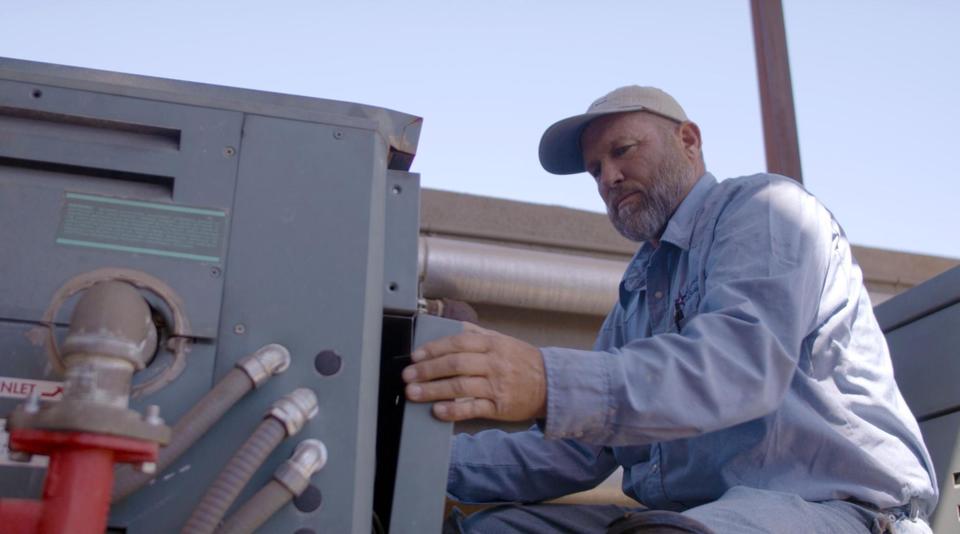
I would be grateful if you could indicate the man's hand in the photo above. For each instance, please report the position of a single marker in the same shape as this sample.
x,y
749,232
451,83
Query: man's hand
x,y
490,375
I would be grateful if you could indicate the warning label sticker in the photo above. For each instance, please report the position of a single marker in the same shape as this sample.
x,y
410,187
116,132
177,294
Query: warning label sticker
x,y
34,461
21,388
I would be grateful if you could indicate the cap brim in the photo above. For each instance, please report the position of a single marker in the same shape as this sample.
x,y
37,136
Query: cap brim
x,y
560,151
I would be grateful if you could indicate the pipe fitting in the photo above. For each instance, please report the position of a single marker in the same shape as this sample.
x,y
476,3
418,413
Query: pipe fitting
x,y
111,336
308,457
112,320
294,409
267,361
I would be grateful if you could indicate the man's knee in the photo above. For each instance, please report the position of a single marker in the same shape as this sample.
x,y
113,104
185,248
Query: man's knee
x,y
657,522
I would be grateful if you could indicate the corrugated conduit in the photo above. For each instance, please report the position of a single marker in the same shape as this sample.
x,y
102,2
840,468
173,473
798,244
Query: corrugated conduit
x,y
521,278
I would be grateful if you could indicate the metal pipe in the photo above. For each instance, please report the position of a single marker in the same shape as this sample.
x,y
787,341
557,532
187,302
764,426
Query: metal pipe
x,y
289,481
491,274
250,372
111,336
286,418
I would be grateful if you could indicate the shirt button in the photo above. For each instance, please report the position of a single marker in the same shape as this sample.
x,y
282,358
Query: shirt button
x,y
658,294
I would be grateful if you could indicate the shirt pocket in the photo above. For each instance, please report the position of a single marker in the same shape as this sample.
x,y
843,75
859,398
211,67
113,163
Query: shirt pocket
x,y
633,304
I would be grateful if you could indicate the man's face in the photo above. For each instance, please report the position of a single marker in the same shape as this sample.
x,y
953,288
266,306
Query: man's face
x,y
641,170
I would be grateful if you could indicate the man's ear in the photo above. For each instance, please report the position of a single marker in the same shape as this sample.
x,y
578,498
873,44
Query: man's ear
x,y
690,140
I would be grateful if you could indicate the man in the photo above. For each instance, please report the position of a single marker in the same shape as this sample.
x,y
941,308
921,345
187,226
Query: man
x,y
741,380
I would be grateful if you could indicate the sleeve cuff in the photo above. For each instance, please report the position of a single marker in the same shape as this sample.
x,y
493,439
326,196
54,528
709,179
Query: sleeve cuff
x,y
579,397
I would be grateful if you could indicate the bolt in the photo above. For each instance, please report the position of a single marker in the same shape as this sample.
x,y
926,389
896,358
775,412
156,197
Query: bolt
x,y
148,468
239,328
20,456
338,134
33,402
153,415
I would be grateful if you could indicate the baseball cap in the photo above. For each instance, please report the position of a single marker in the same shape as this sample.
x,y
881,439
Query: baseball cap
x,y
560,151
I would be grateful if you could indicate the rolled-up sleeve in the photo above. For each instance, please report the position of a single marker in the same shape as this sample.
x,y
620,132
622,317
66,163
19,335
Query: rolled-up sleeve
x,y
763,274
496,466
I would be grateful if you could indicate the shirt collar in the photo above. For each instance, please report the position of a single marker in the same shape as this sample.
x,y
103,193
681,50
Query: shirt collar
x,y
680,227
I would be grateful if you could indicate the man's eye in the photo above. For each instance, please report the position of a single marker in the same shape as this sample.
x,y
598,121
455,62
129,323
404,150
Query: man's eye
x,y
623,149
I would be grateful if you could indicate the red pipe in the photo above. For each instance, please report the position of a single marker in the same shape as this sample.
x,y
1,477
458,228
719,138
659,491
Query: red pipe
x,y
20,516
76,492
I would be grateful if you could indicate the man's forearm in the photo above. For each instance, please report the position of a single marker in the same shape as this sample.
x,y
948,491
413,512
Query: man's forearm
x,y
495,466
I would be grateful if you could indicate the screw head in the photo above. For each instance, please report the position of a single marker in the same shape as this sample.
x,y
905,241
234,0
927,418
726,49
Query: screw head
x,y
152,416
148,468
239,329
33,402
215,272
229,151
338,134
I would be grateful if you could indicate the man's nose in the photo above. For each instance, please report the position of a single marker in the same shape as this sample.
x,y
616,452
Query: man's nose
x,y
610,177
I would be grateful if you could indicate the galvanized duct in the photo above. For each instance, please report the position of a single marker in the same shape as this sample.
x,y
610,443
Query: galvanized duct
x,y
530,279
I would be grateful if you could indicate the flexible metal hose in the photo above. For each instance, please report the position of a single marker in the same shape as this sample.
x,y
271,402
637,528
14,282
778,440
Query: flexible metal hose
x,y
289,480
188,430
241,467
250,372
258,509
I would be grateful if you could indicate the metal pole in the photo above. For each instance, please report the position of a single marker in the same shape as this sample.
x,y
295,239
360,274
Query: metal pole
x,y
776,91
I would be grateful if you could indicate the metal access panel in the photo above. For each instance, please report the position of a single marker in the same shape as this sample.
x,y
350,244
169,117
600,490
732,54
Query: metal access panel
x,y
267,215
922,328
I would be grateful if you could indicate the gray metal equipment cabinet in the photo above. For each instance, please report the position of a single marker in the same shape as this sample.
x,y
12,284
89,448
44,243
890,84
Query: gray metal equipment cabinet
x,y
922,326
272,219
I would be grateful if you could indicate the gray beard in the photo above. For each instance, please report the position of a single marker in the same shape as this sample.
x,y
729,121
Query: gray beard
x,y
646,219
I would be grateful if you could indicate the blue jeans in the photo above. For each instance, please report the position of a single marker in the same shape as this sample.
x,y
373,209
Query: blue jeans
x,y
741,510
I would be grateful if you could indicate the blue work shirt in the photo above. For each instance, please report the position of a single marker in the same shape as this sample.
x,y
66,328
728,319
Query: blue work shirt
x,y
743,351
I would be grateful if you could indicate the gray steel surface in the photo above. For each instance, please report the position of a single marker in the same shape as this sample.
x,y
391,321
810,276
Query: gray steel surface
x,y
400,131
940,435
932,295
305,187
400,283
926,361
417,507
922,327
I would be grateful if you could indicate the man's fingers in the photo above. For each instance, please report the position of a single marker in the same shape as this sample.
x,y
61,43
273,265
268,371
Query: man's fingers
x,y
461,411
463,342
452,388
476,329
463,363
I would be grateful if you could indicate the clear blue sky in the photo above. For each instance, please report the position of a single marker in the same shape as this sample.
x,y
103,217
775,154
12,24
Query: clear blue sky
x,y
876,83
